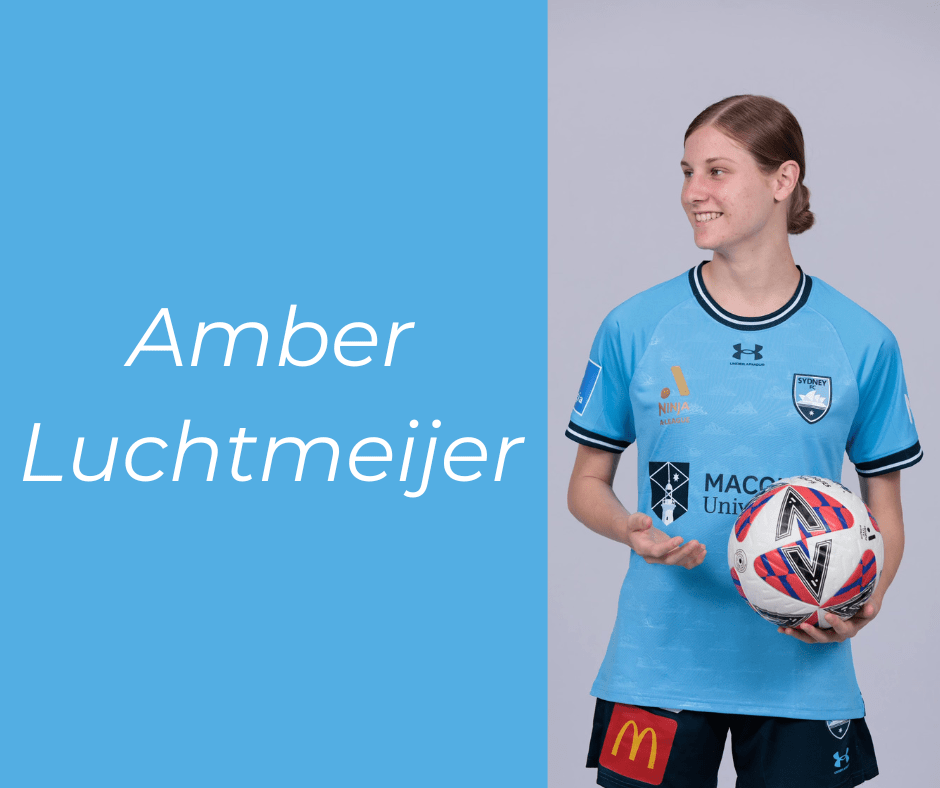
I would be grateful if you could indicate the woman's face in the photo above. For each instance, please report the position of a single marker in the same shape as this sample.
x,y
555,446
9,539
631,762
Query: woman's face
x,y
728,199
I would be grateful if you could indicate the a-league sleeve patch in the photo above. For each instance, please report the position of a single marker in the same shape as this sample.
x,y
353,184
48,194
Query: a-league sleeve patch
x,y
591,374
638,743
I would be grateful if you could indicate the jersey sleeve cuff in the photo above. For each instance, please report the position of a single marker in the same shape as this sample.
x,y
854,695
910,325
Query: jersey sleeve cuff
x,y
893,462
595,440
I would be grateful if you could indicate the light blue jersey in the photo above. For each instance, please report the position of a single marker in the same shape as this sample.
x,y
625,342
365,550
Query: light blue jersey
x,y
721,406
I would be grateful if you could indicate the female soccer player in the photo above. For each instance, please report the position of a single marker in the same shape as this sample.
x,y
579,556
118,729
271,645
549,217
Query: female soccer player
x,y
711,375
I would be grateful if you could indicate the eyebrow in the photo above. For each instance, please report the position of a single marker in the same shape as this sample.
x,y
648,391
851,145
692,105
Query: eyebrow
x,y
708,161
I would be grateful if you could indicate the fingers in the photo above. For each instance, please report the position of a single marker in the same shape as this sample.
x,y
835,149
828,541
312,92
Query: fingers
x,y
689,555
843,629
840,631
656,547
659,550
817,635
806,633
674,553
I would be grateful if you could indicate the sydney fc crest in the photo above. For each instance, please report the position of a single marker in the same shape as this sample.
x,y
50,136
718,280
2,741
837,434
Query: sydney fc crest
x,y
838,728
812,395
669,490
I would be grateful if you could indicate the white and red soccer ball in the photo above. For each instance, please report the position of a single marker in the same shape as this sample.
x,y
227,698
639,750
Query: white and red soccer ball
x,y
803,547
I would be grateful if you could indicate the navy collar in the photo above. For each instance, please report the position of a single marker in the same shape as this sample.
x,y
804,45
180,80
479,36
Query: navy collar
x,y
800,297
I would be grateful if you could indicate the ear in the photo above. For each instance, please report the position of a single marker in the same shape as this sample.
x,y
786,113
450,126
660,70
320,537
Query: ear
x,y
784,180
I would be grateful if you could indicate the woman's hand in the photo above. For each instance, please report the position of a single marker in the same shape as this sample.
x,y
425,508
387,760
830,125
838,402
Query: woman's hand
x,y
657,547
591,499
841,630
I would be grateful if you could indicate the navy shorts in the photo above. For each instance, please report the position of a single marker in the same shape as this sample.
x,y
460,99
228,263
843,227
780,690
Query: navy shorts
x,y
635,746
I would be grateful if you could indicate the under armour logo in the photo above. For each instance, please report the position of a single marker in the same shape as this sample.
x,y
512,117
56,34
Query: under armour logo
x,y
755,352
840,759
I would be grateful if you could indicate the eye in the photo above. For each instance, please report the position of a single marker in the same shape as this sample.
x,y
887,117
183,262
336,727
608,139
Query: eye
x,y
716,170
687,173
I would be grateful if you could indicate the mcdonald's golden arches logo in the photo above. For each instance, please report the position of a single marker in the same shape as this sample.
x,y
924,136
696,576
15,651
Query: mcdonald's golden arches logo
x,y
638,743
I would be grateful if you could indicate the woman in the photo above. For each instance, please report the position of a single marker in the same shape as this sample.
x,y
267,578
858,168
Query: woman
x,y
704,373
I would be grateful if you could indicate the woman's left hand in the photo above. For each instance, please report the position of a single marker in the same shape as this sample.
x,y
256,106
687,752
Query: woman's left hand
x,y
841,630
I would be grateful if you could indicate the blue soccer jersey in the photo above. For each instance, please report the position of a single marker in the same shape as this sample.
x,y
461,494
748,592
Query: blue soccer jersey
x,y
720,407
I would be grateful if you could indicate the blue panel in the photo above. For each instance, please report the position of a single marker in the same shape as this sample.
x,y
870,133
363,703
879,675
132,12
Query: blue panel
x,y
366,163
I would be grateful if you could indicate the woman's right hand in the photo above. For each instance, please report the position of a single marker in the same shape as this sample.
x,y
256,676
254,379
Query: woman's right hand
x,y
657,547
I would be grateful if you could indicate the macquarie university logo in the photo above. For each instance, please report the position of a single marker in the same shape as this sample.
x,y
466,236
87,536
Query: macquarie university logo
x,y
638,743
669,490
812,396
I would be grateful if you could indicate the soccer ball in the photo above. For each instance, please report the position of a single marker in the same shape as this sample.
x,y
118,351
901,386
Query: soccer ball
x,y
803,547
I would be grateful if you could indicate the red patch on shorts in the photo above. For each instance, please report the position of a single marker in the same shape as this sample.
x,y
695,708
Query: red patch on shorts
x,y
638,744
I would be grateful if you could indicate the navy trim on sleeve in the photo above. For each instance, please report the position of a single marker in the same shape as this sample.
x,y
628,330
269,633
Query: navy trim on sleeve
x,y
594,439
893,462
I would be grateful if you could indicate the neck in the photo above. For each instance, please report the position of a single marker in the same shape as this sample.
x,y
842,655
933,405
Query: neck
x,y
752,285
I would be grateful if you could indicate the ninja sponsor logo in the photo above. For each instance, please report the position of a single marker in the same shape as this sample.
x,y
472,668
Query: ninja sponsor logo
x,y
676,408
675,412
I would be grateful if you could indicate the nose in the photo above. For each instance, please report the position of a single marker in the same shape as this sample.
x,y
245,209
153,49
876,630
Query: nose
x,y
693,190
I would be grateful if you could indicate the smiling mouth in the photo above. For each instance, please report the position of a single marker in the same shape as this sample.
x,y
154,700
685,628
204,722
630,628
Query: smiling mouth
x,y
701,218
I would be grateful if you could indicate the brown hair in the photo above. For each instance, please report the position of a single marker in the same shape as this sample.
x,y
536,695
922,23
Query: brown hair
x,y
770,133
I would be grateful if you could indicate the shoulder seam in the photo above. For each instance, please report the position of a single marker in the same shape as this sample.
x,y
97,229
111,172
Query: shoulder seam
x,y
848,358
689,297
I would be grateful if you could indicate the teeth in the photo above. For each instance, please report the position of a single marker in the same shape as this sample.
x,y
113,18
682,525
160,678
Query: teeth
x,y
706,217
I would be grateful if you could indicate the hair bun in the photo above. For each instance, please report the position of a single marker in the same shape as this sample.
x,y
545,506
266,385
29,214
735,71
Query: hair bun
x,y
800,217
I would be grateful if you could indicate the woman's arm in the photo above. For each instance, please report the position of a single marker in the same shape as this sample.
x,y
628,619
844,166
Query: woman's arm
x,y
883,496
592,500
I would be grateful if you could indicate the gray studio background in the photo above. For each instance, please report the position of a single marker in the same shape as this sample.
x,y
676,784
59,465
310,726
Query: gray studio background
x,y
625,79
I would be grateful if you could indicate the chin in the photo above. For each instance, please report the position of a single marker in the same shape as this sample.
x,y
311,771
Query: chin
x,y
704,245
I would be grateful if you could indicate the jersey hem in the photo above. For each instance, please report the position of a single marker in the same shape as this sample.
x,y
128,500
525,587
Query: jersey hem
x,y
859,777
756,710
